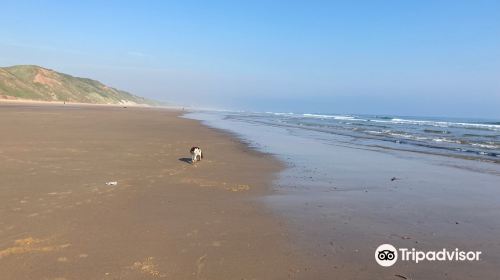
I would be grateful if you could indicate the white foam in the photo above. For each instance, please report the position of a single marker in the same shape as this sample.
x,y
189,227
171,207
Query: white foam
x,y
444,124
336,117
488,146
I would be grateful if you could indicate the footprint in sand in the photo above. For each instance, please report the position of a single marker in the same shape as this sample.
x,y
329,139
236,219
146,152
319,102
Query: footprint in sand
x,y
9,228
202,183
192,233
208,183
174,171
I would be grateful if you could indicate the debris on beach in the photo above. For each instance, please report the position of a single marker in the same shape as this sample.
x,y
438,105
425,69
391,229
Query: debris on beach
x,y
401,276
31,245
404,237
148,266
238,188
111,183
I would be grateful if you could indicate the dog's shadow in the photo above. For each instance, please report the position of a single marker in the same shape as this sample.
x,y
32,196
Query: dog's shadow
x,y
186,160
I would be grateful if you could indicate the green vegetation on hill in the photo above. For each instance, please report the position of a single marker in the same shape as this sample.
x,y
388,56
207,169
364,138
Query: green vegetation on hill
x,y
37,83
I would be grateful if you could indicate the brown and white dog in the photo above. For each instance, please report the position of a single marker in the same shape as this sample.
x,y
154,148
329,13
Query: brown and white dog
x,y
196,154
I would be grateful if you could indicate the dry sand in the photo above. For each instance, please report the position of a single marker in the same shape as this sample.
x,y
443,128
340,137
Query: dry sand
x,y
165,219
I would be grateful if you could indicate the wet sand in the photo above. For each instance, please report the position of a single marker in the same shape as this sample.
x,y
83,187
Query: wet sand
x,y
340,202
164,219
341,211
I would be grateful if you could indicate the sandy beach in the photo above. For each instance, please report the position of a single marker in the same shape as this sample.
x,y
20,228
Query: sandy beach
x,y
165,218
238,214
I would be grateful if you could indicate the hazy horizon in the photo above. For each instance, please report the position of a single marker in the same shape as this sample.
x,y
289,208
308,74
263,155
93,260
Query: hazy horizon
x,y
419,58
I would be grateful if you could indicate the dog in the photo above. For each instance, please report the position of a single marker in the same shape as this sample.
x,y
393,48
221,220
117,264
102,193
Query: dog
x,y
196,154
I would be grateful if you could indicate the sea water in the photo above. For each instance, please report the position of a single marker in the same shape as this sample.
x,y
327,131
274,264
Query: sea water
x,y
467,138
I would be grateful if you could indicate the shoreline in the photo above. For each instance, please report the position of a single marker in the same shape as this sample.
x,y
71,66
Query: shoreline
x,y
165,218
340,202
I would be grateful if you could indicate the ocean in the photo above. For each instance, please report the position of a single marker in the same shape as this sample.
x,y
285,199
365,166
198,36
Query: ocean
x,y
465,138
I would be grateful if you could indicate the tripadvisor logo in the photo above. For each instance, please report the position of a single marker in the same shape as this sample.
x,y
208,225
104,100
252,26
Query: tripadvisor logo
x,y
387,255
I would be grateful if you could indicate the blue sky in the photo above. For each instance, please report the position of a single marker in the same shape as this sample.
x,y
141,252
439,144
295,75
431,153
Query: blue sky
x,y
434,58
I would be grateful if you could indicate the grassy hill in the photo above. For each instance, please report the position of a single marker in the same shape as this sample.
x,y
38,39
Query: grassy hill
x,y
32,82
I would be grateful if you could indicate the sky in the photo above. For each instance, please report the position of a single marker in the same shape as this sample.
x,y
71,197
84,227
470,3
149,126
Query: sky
x,y
410,58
